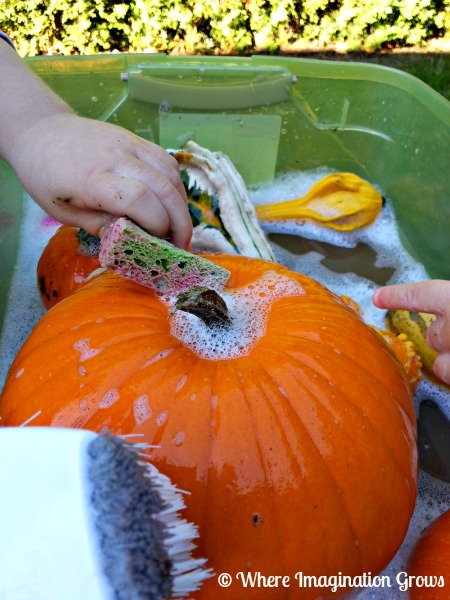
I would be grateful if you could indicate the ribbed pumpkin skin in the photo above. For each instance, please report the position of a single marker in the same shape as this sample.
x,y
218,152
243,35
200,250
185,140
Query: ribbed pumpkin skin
x,y
62,268
300,456
431,559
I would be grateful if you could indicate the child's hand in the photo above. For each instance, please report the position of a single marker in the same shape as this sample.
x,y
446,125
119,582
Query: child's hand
x,y
430,297
79,169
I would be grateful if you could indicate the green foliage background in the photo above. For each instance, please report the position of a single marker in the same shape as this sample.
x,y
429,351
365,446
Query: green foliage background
x,y
217,26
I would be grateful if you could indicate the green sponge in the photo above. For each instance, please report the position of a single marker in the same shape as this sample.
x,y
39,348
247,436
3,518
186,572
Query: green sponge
x,y
133,253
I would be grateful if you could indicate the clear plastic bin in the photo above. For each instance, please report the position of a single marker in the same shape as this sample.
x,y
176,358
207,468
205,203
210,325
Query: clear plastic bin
x,y
271,114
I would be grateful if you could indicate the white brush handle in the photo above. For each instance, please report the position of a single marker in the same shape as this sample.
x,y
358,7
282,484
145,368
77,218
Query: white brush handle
x,y
48,545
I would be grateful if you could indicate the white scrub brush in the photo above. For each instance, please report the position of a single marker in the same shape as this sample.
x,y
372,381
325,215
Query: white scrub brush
x,y
84,517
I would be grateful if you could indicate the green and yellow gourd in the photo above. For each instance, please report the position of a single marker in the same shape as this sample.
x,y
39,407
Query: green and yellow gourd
x,y
414,326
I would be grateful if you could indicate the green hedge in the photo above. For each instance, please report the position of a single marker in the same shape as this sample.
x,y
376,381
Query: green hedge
x,y
217,26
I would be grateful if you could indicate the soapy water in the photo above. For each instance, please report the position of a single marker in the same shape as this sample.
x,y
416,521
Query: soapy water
x,y
382,236
24,309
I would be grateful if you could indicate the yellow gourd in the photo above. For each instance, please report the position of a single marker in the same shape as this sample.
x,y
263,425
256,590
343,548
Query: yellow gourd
x,y
414,326
341,201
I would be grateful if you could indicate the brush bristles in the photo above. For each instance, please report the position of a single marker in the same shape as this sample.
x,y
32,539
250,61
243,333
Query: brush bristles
x,y
187,572
145,545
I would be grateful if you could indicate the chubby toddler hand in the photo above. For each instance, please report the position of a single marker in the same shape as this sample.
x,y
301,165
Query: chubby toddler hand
x,y
430,297
79,170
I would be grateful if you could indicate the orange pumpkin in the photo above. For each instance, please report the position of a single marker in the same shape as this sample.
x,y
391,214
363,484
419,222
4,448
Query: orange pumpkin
x,y
299,453
400,345
429,564
69,257
406,354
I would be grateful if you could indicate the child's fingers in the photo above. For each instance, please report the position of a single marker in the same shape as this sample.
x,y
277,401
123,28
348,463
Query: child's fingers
x,y
166,191
70,214
159,215
431,296
441,367
160,160
438,334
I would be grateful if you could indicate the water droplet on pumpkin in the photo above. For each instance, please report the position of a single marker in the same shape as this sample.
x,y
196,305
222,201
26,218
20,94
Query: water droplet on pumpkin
x,y
178,440
283,391
83,404
109,398
141,409
82,346
19,373
158,356
82,370
181,383
161,418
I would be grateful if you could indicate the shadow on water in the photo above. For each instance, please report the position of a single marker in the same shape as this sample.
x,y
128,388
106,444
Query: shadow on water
x,y
433,429
359,260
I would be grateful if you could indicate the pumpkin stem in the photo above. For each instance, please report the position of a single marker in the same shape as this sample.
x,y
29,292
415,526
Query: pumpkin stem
x,y
204,303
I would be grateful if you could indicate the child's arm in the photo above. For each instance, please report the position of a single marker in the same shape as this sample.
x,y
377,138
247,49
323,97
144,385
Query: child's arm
x,y
78,169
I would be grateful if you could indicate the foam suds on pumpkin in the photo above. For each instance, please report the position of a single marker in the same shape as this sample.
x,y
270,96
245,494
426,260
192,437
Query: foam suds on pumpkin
x,y
24,309
248,307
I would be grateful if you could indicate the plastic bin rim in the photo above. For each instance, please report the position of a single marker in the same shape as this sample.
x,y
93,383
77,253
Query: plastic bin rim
x,y
299,66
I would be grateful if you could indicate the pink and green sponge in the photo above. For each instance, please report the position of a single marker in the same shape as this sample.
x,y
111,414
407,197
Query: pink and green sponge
x,y
131,252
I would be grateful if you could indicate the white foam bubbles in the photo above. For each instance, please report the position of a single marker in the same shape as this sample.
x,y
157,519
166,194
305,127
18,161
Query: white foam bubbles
x,y
24,307
86,352
109,398
141,409
162,418
287,186
179,438
249,307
